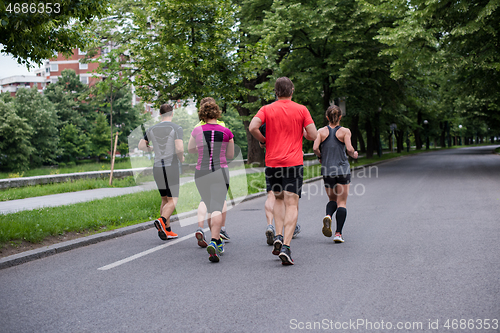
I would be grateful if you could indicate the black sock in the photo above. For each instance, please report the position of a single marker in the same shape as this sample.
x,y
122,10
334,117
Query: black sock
x,y
341,216
287,246
169,229
331,207
218,241
163,219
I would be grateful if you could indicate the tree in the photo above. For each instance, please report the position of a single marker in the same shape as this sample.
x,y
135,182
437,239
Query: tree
x,y
42,116
15,135
67,95
34,32
99,137
185,50
72,143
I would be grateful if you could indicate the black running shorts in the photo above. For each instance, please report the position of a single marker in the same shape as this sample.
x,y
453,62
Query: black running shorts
x,y
331,181
285,179
167,180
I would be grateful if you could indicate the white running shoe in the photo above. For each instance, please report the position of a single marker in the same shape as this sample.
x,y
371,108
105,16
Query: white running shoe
x,y
338,239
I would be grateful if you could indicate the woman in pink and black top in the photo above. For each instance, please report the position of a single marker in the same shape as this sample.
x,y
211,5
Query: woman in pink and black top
x,y
214,145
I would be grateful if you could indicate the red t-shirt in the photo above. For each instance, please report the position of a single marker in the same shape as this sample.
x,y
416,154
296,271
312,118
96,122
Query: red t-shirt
x,y
284,121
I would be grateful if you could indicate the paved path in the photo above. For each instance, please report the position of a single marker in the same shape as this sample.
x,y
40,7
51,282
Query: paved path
x,y
421,252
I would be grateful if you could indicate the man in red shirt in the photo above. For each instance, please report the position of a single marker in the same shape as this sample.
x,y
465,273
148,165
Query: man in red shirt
x,y
286,123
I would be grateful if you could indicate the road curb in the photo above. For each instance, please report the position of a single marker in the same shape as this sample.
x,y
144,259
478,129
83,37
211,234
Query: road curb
x,y
23,257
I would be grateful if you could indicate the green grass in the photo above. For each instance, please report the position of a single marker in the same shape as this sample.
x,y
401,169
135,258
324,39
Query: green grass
x,y
55,188
85,167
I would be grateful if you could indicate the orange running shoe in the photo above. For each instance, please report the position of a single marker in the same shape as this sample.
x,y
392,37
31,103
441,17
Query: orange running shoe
x,y
171,235
162,230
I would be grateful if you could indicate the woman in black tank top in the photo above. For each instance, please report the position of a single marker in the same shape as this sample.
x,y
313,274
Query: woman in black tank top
x,y
330,146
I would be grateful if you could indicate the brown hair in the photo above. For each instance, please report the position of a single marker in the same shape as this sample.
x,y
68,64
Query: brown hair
x,y
209,110
206,100
283,87
165,109
333,114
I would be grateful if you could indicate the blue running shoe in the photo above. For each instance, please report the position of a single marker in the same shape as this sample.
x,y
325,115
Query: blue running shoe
x,y
212,250
220,247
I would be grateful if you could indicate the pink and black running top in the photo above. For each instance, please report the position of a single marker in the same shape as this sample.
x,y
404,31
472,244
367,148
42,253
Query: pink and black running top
x,y
212,141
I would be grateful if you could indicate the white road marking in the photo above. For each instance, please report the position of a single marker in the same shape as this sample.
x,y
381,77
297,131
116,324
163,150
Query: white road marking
x,y
144,253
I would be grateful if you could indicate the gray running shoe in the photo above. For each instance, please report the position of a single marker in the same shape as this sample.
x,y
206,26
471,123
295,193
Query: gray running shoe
x,y
270,233
200,236
278,243
224,235
286,256
297,230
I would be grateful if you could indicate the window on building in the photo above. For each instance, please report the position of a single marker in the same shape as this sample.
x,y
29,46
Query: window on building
x,y
84,79
54,67
80,52
83,66
47,69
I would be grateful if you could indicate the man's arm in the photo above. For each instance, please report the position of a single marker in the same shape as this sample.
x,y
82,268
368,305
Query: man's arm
x,y
143,145
253,128
310,132
179,149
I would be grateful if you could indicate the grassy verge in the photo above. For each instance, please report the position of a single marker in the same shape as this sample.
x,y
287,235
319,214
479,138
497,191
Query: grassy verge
x,y
85,167
73,186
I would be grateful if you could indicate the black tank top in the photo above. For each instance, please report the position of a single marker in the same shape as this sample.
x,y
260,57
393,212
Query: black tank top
x,y
334,160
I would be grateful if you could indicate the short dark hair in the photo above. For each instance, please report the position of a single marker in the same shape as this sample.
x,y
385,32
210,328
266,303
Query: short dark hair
x,y
165,109
333,114
283,87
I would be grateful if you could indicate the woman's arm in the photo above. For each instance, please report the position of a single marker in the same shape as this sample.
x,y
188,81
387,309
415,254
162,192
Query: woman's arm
x,y
192,145
348,145
230,150
320,138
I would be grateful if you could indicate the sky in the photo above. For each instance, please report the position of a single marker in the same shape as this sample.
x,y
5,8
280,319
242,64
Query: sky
x,y
10,67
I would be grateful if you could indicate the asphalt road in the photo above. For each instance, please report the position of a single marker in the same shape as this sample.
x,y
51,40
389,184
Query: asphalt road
x,y
421,254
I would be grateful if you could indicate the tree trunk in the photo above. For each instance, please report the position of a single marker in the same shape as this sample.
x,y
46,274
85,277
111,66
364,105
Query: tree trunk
x,y
362,147
418,139
442,140
369,139
399,140
255,153
354,131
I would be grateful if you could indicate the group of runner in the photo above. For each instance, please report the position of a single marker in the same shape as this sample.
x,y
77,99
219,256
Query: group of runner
x,y
279,127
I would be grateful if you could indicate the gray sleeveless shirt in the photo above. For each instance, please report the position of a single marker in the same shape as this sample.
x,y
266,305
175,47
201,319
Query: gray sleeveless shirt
x,y
334,160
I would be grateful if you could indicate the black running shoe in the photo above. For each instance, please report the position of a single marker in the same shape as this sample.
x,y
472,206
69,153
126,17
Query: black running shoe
x,y
278,243
286,256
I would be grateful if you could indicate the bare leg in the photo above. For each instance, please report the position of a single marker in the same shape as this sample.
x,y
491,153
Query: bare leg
x,y
279,212
291,203
216,224
167,208
202,211
269,207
